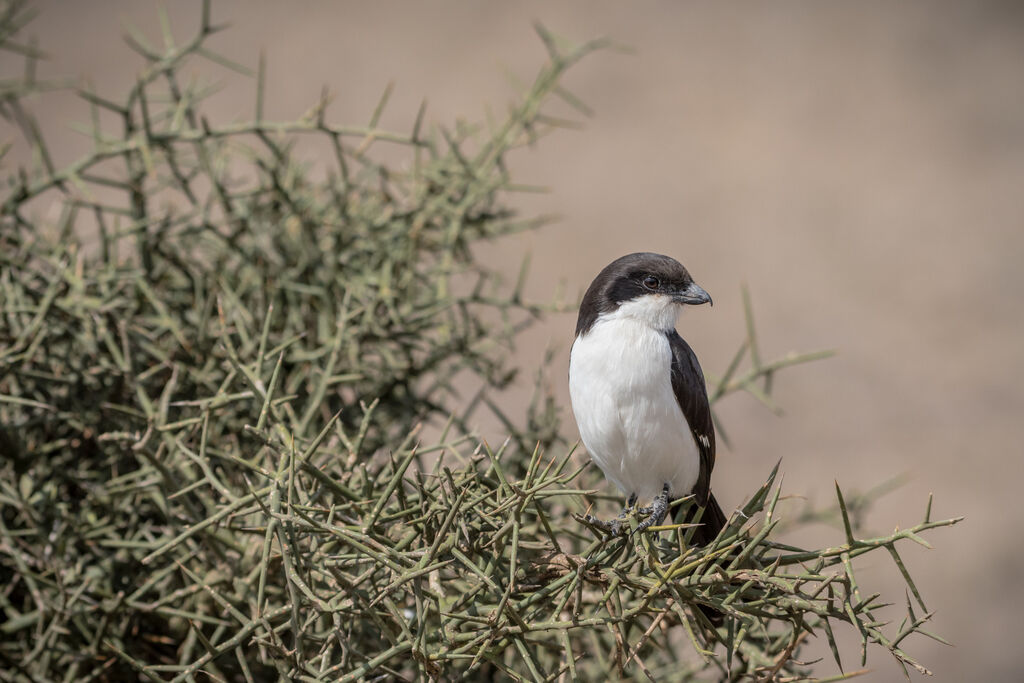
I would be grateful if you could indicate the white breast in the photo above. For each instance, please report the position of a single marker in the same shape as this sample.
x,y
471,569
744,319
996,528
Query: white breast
x,y
627,413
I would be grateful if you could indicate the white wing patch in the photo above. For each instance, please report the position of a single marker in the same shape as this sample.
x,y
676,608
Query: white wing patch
x,y
704,440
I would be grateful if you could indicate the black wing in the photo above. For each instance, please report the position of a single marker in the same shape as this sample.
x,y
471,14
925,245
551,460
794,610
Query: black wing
x,y
692,396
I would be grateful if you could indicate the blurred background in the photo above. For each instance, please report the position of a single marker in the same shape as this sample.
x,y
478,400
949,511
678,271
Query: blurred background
x,y
860,166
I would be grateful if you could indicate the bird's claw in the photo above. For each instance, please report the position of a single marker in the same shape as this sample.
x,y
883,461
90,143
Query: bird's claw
x,y
611,527
655,512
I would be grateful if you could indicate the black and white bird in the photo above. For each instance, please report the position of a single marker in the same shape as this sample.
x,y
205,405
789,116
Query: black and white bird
x,y
638,392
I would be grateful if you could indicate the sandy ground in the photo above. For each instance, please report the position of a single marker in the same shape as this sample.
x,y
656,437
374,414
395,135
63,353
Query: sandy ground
x,y
859,165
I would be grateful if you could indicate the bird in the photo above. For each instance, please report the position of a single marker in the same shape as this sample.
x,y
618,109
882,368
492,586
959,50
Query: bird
x,y
638,393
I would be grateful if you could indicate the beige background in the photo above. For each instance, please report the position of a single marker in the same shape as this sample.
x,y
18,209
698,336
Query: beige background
x,y
860,165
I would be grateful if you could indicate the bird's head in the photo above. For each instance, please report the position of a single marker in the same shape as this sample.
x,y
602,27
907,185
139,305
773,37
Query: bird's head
x,y
650,288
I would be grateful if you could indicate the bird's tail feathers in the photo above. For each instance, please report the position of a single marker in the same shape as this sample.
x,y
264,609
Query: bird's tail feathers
x,y
711,522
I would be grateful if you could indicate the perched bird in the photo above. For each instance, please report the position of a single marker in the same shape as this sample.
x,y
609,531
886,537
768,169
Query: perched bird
x,y
638,392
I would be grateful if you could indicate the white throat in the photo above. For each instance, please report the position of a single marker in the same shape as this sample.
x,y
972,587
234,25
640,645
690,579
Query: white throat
x,y
657,311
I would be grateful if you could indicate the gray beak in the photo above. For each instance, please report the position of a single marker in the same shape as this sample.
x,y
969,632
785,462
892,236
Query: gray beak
x,y
694,294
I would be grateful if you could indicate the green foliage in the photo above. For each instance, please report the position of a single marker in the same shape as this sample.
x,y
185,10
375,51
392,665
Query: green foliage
x,y
214,368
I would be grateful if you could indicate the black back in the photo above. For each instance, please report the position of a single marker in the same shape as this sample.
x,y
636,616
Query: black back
x,y
692,395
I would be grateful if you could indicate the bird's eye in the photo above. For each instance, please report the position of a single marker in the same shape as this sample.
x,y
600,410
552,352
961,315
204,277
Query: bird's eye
x,y
651,282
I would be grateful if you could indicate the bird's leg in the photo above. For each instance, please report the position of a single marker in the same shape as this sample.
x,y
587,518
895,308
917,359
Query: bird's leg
x,y
649,509
656,511
614,526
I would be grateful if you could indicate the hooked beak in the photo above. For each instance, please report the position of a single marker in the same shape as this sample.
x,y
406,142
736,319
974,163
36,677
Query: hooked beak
x,y
694,294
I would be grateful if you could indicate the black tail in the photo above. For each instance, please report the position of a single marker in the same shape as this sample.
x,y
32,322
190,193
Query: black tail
x,y
711,522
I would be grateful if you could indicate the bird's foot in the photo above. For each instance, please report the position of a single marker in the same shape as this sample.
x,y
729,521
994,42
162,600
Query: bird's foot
x,y
655,512
613,527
